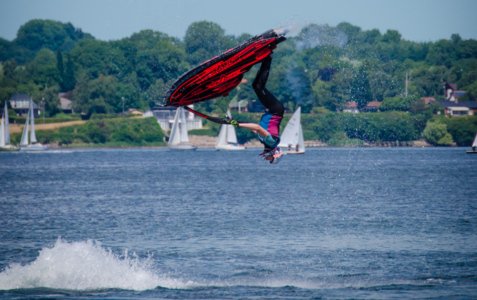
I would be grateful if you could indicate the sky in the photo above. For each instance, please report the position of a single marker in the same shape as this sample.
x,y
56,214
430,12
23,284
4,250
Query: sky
x,y
416,20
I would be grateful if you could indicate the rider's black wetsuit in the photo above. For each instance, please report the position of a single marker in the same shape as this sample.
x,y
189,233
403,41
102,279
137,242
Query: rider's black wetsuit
x,y
274,109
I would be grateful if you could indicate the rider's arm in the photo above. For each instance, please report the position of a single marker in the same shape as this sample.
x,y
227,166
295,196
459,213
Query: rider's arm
x,y
255,128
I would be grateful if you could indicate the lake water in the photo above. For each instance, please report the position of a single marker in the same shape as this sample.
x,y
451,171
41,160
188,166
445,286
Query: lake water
x,y
152,223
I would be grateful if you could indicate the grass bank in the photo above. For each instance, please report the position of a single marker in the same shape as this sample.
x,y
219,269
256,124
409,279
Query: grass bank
x,y
120,132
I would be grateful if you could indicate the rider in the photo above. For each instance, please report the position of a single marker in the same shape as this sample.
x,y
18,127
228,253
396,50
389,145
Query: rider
x,y
269,126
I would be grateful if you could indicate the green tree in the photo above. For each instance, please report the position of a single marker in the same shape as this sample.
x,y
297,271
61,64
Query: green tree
x,y
442,53
391,36
370,36
95,96
61,68
10,50
52,100
446,140
472,90
42,70
360,89
351,31
69,80
455,38
436,133
204,40
37,34
91,57
155,93
9,69
462,129
157,56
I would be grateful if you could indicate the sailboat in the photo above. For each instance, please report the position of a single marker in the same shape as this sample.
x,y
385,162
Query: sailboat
x,y
227,139
179,140
474,146
292,141
5,133
33,145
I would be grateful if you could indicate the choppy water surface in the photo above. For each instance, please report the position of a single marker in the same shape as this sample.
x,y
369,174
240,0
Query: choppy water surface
x,y
333,223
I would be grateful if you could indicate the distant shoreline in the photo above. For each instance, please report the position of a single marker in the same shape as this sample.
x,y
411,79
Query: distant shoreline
x,y
257,145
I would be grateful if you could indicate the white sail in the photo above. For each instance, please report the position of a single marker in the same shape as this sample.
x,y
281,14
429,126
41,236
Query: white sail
x,y
301,141
474,144
222,139
174,137
227,139
2,134
24,141
32,120
231,136
184,136
7,126
290,135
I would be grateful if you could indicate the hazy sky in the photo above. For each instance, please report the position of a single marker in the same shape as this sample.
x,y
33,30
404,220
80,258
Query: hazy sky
x,y
416,20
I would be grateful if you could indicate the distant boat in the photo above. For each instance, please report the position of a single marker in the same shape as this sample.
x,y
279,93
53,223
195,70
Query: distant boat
x,y
474,146
291,140
5,133
227,139
179,140
33,145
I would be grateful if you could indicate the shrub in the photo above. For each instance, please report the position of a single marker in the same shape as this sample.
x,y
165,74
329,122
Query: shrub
x,y
462,129
436,133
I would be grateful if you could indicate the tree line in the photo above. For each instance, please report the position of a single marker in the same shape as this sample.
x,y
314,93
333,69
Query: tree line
x,y
321,68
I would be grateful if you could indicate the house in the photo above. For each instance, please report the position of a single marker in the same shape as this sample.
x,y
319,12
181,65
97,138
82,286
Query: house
x,y
459,108
452,94
65,104
372,106
165,117
351,107
20,103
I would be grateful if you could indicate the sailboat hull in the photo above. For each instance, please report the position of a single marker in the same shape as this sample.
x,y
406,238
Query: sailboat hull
x,y
9,148
34,147
229,147
182,147
293,152
471,152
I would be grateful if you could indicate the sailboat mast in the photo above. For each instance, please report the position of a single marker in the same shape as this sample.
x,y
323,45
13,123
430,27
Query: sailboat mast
x,y
7,125
2,133
24,141
32,119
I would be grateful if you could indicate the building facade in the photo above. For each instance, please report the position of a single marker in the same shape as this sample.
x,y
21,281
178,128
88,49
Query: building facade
x,y
165,118
20,103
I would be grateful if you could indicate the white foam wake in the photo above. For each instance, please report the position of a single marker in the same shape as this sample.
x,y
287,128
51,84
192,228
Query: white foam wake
x,y
84,266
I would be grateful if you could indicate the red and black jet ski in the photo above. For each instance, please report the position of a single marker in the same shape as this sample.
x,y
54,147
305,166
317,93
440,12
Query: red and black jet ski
x,y
221,74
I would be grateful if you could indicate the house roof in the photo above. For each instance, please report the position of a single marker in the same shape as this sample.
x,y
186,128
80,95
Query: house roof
x,y
452,86
427,100
469,104
65,102
19,96
351,104
373,104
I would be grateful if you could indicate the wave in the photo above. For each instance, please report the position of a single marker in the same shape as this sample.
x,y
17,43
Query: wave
x,y
84,266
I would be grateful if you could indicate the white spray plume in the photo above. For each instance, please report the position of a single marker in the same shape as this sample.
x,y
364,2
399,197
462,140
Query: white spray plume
x,y
289,29
83,266
320,35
